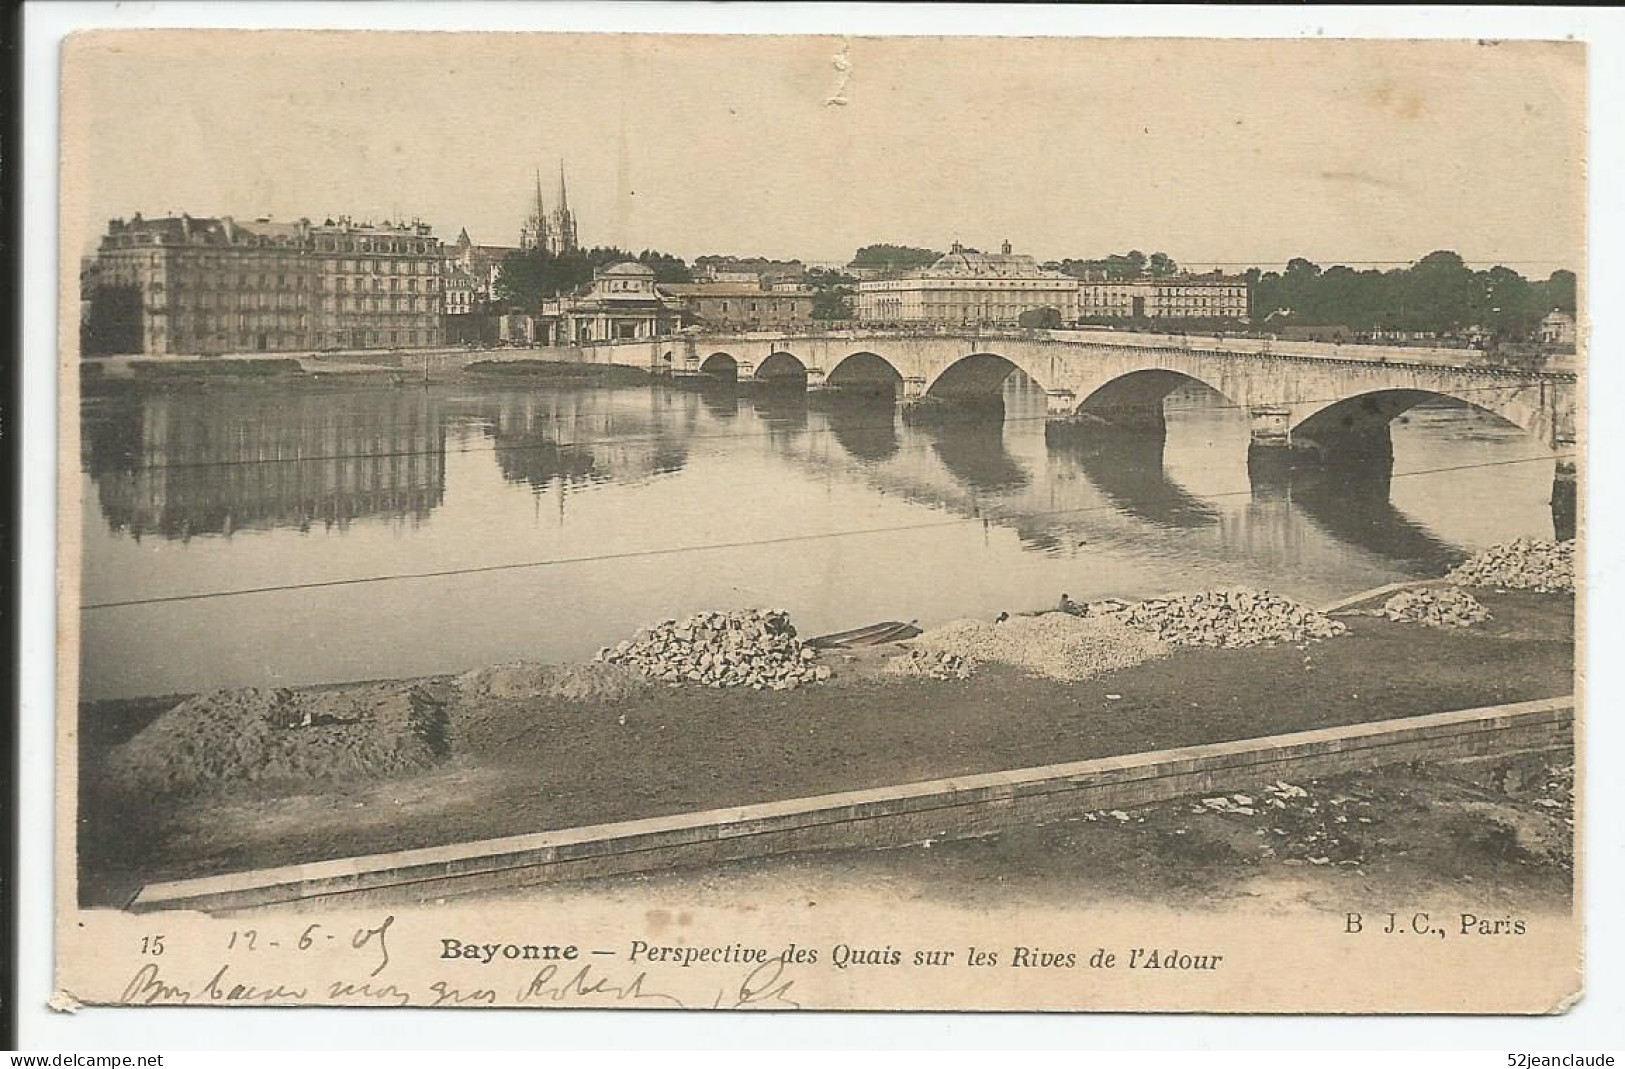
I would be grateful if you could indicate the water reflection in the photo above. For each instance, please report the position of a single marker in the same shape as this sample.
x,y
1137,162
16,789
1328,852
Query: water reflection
x,y
721,401
1354,508
1128,470
456,477
971,448
564,440
784,410
182,465
866,428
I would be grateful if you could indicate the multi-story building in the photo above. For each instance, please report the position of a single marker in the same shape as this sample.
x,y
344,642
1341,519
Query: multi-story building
x,y
1116,298
1178,297
218,285
479,264
459,294
747,305
967,286
1199,297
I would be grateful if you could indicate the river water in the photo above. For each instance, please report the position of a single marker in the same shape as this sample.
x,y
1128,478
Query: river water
x,y
649,503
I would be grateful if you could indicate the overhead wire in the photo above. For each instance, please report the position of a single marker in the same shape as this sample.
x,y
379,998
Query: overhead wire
x,y
666,551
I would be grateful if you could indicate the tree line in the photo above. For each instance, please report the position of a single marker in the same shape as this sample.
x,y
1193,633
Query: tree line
x,y
530,276
1438,294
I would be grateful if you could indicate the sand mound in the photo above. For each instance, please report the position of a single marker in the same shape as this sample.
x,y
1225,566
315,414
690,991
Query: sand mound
x,y
1055,644
593,682
260,735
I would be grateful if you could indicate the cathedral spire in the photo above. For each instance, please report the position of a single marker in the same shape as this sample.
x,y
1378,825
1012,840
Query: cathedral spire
x,y
541,213
564,200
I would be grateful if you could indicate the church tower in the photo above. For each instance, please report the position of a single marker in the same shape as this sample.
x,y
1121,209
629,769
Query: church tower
x,y
562,239
535,233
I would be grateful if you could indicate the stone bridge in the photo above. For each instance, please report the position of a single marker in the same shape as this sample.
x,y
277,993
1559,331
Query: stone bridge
x,y
1306,400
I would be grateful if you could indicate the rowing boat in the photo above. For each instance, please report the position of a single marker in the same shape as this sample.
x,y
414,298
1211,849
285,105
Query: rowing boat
x,y
873,635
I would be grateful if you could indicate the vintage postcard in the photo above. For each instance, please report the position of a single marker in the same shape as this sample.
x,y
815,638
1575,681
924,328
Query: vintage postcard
x,y
774,522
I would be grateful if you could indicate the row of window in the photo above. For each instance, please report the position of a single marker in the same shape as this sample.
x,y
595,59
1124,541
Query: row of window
x,y
966,284
250,340
429,247
285,281
184,301
206,323
423,266
768,306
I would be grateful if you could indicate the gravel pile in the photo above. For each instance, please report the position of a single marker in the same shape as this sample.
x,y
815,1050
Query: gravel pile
x,y
1231,619
1448,607
1522,564
754,648
1055,644
926,664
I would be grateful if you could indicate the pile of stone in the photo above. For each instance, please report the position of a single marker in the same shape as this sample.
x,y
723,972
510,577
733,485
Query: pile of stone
x,y
754,648
924,664
1522,564
1447,607
1056,645
1231,619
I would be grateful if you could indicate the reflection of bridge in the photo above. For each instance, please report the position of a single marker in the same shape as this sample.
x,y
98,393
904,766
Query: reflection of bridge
x,y
1303,398
1119,492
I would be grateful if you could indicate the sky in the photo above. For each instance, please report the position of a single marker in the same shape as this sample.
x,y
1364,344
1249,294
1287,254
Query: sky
x,y
1236,152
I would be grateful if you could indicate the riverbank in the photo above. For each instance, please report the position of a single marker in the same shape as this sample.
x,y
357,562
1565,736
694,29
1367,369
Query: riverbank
x,y
503,765
124,374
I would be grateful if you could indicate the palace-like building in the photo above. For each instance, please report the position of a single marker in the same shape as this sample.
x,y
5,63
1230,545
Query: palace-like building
x,y
200,286
623,304
969,287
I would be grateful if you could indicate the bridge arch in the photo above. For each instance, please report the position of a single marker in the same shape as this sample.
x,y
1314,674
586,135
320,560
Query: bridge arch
x,y
1383,406
865,372
721,366
782,367
974,377
1358,427
1134,400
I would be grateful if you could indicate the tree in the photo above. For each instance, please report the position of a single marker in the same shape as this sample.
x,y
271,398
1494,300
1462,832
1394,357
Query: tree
x,y
834,302
1162,265
667,268
894,257
113,322
1560,292
826,278
531,276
